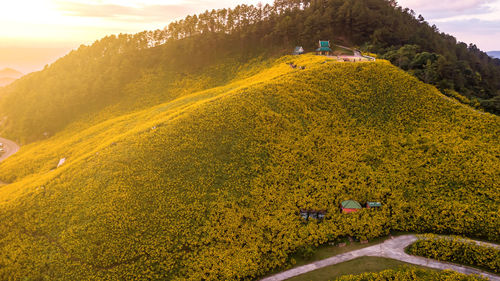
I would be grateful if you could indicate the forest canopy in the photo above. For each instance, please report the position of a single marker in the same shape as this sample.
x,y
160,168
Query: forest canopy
x,y
95,77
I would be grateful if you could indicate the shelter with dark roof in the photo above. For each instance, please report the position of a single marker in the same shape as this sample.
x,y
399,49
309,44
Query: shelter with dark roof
x,y
312,214
349,206
324,48
298,50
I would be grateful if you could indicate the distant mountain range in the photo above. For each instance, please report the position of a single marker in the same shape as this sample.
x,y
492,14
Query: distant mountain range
x,y
494,54
9,75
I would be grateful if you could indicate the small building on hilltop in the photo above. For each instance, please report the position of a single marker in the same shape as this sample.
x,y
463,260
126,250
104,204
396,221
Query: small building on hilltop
x,y
350,206
298,50
324,48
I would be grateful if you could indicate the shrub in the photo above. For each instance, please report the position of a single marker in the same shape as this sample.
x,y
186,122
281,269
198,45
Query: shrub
x,y
457,250
410,274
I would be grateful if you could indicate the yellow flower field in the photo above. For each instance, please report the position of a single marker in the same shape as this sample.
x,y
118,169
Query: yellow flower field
x,y
208,185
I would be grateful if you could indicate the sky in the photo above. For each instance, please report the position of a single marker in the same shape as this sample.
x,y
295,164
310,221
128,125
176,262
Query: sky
x,y
34,33
470,21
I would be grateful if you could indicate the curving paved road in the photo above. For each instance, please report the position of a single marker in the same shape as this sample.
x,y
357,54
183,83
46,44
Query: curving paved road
x,y
392,248
10,148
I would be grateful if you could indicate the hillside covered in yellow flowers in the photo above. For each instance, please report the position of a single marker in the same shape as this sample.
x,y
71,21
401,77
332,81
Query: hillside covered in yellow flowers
x,y
209,184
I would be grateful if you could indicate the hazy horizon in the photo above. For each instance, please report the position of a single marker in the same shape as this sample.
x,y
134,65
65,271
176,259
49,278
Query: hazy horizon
x,y
27,60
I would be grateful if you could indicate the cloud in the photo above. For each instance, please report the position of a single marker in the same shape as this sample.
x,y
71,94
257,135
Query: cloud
x,y
143,10
472,25
470,21
449,8
484,33
142,13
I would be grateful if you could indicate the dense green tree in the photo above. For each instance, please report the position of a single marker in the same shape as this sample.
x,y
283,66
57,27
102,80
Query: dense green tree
x,y
95,77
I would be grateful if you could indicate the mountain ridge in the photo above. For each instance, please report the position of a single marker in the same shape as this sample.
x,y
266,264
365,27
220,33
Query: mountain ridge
x,y
95,78
209,185
494,54
9,75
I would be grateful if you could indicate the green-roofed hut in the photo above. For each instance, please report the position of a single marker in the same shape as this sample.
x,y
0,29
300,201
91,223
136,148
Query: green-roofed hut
x,y
373,204
349,206
324,48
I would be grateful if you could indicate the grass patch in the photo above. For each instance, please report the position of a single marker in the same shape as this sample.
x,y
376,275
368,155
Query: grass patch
x,y
326,251
411,273
341,51
356,266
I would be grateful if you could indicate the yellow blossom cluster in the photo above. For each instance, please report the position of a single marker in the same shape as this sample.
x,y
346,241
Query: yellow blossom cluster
x,y
209,184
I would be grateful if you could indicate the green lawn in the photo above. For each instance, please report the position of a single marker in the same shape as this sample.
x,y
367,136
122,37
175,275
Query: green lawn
x,y
356,266
326,251
341,51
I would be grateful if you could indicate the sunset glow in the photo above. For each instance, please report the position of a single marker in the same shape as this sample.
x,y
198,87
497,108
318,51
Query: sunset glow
x,y
36,32
65,25
52,22
79,22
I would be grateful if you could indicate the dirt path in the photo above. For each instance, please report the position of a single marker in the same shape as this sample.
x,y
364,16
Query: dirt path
x,y
392,248
10,148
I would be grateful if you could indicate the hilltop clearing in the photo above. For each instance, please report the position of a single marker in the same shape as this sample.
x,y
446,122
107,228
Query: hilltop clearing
x,y
209,185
